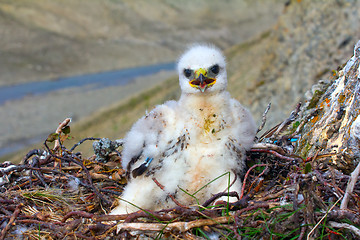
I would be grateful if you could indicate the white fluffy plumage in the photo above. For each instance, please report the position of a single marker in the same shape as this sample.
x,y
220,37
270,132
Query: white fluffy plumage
x,y
186,145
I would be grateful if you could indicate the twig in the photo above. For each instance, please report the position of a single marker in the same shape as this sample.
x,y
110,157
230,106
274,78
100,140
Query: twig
x,y
176,226
58,131
171,196
256,180
53,226
221,194
42,180
275,195
276,154
255,206
83,140
313,229
80,163
350,187
345,225
246,176
149,214
269,146
263,121
302,231
77,214
164,214
342,214
11,221
275,131
6,201
4,171
82,236
161,215
289,120
109,218
31,153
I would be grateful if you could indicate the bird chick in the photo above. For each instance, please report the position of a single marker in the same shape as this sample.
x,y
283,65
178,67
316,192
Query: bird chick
x,y
192,148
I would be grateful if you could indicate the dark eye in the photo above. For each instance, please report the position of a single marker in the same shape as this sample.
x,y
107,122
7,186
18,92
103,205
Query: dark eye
x,y
215,69
187,73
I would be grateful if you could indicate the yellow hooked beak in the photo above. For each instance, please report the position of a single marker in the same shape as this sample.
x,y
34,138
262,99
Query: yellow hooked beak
x,y
201,80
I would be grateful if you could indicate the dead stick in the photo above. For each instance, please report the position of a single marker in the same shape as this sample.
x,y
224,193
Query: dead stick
x,y
276,154
313,229
258,177
218,195
58,131
109,218
50,225
83,140
345,225
81,236
354,217
269,146
177,226
131,216
246,176
255,206
350,187
80,163
272,196
289,120
147,214
302,231
263,121
73,214
11,221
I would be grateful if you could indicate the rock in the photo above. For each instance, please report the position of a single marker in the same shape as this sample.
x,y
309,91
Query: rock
x,y
311,40
331,127
104,148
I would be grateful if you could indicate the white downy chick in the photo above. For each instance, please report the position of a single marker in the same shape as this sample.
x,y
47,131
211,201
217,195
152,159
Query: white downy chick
x,y
193,147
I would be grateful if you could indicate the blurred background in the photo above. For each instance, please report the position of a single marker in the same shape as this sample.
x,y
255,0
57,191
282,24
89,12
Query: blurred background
x,y
104,63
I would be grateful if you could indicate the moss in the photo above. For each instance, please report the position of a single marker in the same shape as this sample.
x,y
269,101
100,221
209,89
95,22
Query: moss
x,y
305,149
294,126
315,99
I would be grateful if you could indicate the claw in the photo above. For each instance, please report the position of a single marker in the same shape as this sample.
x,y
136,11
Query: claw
x,y
140,170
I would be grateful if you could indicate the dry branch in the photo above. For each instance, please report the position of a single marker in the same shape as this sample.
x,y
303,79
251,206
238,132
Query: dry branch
x,y
345,225
317,224
11,221
178,227
59,130
350,187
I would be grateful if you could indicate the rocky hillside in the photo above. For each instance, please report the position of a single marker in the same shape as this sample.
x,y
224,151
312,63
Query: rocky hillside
x,y
310,41
42,39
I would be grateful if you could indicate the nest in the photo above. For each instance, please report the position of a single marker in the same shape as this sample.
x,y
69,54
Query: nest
x,y
57,193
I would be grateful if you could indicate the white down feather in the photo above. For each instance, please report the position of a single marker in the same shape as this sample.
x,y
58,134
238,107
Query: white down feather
x,y
192,142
